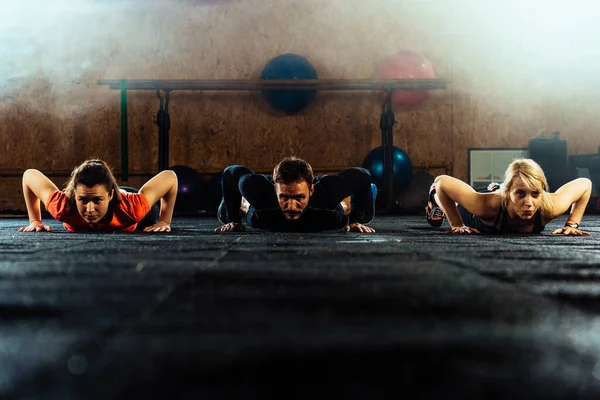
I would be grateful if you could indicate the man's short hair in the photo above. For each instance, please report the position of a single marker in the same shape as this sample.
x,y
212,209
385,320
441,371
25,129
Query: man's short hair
x,y
292,169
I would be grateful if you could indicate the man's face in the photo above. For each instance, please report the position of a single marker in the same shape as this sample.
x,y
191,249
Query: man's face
x,y
293,198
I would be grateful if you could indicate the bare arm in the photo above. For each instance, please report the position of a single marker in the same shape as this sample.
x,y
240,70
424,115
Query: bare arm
x,y
36,187
163,188
450,191
575,194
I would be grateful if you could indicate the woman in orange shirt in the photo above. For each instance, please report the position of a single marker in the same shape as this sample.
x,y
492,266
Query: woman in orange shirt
x,y
92,200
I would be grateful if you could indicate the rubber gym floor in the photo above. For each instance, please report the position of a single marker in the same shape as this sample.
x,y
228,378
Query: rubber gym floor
x,y
407,312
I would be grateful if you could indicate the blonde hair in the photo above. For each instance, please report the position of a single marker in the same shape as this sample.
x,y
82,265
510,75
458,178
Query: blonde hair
x,y
532,175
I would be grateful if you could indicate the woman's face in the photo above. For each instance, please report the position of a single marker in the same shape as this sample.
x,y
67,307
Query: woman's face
x,y
92,202
523,200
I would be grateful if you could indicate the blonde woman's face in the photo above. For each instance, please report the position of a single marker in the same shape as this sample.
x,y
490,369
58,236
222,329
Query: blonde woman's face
x,y
523,200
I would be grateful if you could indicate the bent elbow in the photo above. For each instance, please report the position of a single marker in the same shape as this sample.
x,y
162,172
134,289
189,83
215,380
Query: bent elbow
x,y
29,174
439,178
30,171
169,175
440,181
586,184
174,178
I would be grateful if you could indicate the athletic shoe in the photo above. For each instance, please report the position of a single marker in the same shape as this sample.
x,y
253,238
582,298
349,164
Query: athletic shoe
x,y
435,215
492,187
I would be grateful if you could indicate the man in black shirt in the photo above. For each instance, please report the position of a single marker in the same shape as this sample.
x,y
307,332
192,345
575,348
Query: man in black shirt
x,y
294,200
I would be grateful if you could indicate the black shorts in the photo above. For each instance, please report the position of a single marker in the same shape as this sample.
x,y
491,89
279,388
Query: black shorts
x,y
472,221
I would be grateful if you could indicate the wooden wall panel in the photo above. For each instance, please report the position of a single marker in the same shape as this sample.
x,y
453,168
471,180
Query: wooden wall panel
x,y
54,115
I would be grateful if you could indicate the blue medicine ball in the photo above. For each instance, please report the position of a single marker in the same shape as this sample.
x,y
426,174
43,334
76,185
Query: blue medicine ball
x,y
289,66
402,167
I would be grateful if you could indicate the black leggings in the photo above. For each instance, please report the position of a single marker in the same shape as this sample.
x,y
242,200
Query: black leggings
x,y
329,191
152,217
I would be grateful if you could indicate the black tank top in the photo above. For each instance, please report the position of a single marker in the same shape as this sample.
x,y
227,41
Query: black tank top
x,y
504,228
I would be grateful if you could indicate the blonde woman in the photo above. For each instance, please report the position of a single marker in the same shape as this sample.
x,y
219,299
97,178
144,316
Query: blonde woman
x,y
521,204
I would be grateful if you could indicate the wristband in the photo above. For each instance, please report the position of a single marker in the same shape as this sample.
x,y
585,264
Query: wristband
x,y
574,225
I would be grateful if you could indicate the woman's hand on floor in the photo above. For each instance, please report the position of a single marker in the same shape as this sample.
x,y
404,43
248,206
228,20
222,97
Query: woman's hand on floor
x,y
569,231
462,230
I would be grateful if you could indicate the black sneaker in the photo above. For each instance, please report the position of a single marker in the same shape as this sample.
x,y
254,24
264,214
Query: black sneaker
x,y
435,215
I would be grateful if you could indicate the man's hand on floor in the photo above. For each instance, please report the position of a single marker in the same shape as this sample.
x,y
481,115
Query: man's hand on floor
x,y
356,227
231,227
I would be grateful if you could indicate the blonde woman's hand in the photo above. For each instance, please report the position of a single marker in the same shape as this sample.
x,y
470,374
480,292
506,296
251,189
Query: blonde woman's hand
x,y
569,231
462,230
